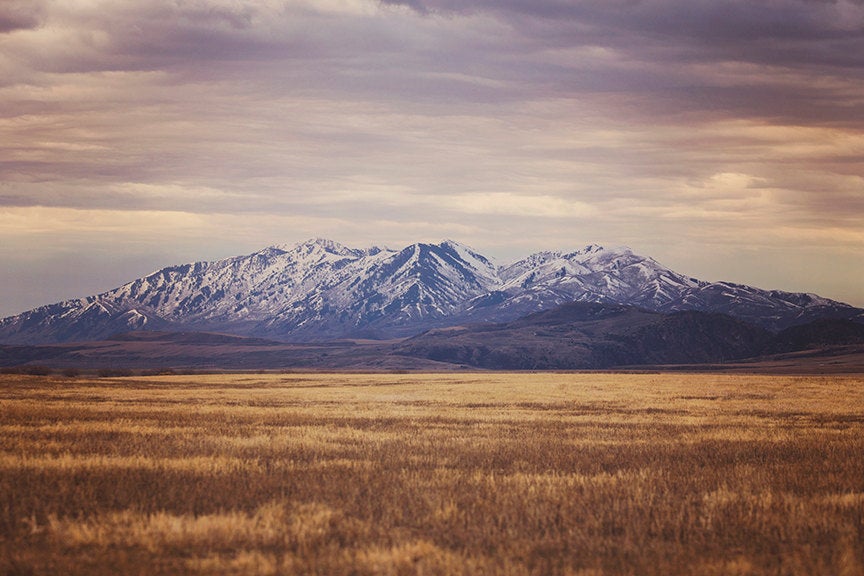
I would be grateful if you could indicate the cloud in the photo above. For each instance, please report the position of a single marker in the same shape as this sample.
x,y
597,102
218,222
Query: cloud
x,y
732,57
512,123
21,15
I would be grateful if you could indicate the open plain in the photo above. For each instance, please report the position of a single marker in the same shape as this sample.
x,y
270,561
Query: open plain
x,y
478,473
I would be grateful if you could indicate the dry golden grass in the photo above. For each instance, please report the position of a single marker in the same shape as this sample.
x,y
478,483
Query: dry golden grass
x,y
516,474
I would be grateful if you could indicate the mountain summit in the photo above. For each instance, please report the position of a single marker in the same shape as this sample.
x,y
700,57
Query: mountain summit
x,y
321,290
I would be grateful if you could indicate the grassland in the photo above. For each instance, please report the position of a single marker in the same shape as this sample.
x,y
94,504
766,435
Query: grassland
x,y
588,474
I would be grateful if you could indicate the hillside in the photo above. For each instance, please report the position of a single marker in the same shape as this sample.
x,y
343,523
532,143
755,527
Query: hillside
x,y
576,336
592,336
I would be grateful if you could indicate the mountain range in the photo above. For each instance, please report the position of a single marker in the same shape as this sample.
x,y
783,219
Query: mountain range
x,y
319,291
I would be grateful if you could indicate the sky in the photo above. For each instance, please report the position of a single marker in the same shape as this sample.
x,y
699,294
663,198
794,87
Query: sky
x,y
724,138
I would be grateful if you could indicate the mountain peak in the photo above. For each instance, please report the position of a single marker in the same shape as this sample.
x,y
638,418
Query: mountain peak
x,y
327,245
592,248
596,250
456,245
320,289
310,244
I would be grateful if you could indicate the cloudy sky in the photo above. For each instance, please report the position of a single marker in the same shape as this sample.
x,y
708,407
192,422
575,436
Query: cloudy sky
x,y
725,138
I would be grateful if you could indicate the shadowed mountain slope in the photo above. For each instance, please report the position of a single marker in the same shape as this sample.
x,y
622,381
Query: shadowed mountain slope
x,y
815,335
574,336
588,335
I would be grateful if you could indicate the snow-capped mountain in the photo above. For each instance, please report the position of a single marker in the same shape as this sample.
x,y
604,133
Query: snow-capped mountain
x,y
593,274
320,290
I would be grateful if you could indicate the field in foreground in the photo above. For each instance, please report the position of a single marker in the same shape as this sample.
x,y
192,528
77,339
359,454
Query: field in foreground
x,y
591,474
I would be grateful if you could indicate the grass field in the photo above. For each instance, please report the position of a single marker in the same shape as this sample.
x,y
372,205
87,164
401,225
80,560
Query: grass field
x,y
588,474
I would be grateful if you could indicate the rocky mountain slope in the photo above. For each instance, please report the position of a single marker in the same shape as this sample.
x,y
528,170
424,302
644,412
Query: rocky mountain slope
x,y
321,290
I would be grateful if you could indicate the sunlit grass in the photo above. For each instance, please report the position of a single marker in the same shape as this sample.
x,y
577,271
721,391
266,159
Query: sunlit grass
x,y
432,474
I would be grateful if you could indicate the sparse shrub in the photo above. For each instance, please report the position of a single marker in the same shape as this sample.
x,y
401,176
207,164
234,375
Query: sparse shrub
x,y
159,372
38,371
114,372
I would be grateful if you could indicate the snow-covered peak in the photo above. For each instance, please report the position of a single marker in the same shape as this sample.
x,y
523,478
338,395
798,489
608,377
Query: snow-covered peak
x,y
312,244
536,259
591,249
268,252
545,264
320,289
460,247
329,246
476,262
593,273
597,253
375,250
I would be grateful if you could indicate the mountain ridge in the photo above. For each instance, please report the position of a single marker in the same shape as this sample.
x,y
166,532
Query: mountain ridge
x,y
320,290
